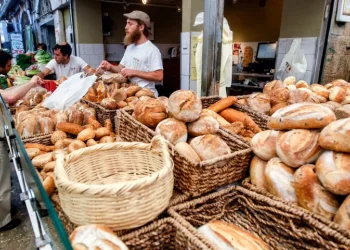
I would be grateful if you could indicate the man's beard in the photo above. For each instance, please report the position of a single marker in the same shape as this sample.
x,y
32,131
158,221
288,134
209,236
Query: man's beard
x,y
132,37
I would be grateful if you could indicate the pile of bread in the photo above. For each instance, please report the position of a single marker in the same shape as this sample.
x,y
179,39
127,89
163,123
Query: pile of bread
x,y
305,159
35,96
278,94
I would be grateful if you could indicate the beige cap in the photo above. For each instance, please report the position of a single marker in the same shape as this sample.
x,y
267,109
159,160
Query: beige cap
x,y
140,15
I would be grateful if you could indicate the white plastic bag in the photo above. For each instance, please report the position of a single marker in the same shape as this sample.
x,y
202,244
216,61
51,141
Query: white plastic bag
x,y
294,63
69,92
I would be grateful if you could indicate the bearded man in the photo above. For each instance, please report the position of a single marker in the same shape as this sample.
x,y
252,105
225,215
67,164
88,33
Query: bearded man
x,y
142,61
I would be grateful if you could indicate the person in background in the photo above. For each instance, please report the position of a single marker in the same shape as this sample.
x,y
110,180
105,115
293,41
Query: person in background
x,y
142,61
41,46
10,95
64,64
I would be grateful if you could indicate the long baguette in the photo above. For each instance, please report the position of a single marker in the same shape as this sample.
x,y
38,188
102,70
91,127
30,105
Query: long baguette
x,y
216,116
70,128
223,104
39,146
232,116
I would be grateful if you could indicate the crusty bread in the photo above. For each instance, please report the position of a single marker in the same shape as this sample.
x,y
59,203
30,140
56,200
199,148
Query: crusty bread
x,y
57,135
185,105
340,82
232,115
320,90
86,134
278,106
150,112
223,104
205,125
336,136
332,105
271,86
184,149
342,217
220,119
109,103
228,236
95,237
343,112
75,145
289,81
312,195
40,160
260,102
279,180
173,130
70,128
32,152
264,144
301,84
298,147
301,115
132,90
297,96
280,95
337,94
165,101
333,170
257,172
209,147
101,132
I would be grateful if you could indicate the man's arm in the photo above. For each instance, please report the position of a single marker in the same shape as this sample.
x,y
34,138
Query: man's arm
x,y
154,76
44,73
106,66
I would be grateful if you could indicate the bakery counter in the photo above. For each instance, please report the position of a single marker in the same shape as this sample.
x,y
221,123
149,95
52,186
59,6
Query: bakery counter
x,y
47,229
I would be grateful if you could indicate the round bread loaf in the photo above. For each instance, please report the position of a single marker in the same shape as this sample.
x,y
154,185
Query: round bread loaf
x,y
86,134
301,84
271,86
173,130
260,102
203,126
320,90
132,90
46,125
185,105
257,172
184,149
145,92
150,112
165,101
209,147
332,105
40,160
340,82
279,180
299,147
342,217
336,136
58,135
264,144
75,145
291,87
337,94
333,170
119,95
278,106
312,195
279,96
289,81
297,96
109,103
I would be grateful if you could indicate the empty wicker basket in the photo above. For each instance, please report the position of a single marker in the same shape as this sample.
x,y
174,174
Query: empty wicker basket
x,y
122,185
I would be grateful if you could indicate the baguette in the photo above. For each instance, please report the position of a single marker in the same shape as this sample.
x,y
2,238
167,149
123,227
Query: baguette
x,y
39,146
70,128
232,116
222,122
223,104
49,184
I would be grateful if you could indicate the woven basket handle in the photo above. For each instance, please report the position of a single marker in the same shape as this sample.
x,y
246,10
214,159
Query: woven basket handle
x,y
59,168
160,145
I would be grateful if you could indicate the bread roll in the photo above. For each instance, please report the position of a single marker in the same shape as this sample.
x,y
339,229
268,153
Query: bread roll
x,y
113,78
346,100
291,87
32,152
40,160
264,144
49,167
209,147
109,103
89,113
339,82
41,147
108,124
328,85
46,125
60,117
257,172
91,142
336,136
94,123
49,185
75,145
279,180
298,147
227,236
301,115
122,104
119,95
301,84
173,130
320,90
144,98
131,99
185,105
333,170
204,125
223,104
221,120
271,86
332,105
95,237
150,112
58,135
184,149
76,117
277,107
101,132
145,92
61,144
280,95
260,102
86,134
342,217
297,96
70,128
107,139
337,94
312,195
289,81
132,90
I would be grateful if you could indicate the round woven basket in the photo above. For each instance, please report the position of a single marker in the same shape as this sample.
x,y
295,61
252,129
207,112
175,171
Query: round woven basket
x,y
122,185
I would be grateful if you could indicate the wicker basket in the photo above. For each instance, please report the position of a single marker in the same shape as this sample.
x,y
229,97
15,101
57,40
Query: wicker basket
x,y
192,178
279,225
122,185
42,138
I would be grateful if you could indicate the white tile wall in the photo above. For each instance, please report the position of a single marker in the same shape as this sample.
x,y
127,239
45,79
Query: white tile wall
x,y
92,54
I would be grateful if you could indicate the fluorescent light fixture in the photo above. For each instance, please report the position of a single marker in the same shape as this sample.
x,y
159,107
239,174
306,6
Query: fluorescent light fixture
x,y
144,1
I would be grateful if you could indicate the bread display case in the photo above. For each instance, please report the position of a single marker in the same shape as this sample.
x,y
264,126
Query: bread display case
x,y
47,228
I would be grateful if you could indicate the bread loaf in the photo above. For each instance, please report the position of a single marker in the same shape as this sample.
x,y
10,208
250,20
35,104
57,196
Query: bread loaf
x,y
185,105
271,86
107,139
76,117
94,123
209,147
145,92
257,172
223,104
277,107
89,113
131,99
340,82
232,115
28,127
299,147
279,180
342,217
291,87
58,135
336,136
301,84
86,134
333,170
132,90
150,112
108,124
332,105
221,120
173,130
122,104
289,81
297,96
227,236
75,145
264,144
337,94
280,95
60,117
113,78
70,128
40,160
312,195
41,147
204,125
32,152
301,115
49,167
119,95
184,149
49,185
101,132
109,103
95,237
342,112
320,90
260,102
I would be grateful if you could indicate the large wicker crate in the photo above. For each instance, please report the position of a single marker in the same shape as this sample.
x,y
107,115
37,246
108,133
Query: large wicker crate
x,y
281,226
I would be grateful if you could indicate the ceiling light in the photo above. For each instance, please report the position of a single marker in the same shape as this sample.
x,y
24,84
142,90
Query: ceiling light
x,y
144,1
178,9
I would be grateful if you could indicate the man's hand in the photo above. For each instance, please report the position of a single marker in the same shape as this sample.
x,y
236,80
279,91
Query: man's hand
x,y
106,66
37,81
127,73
